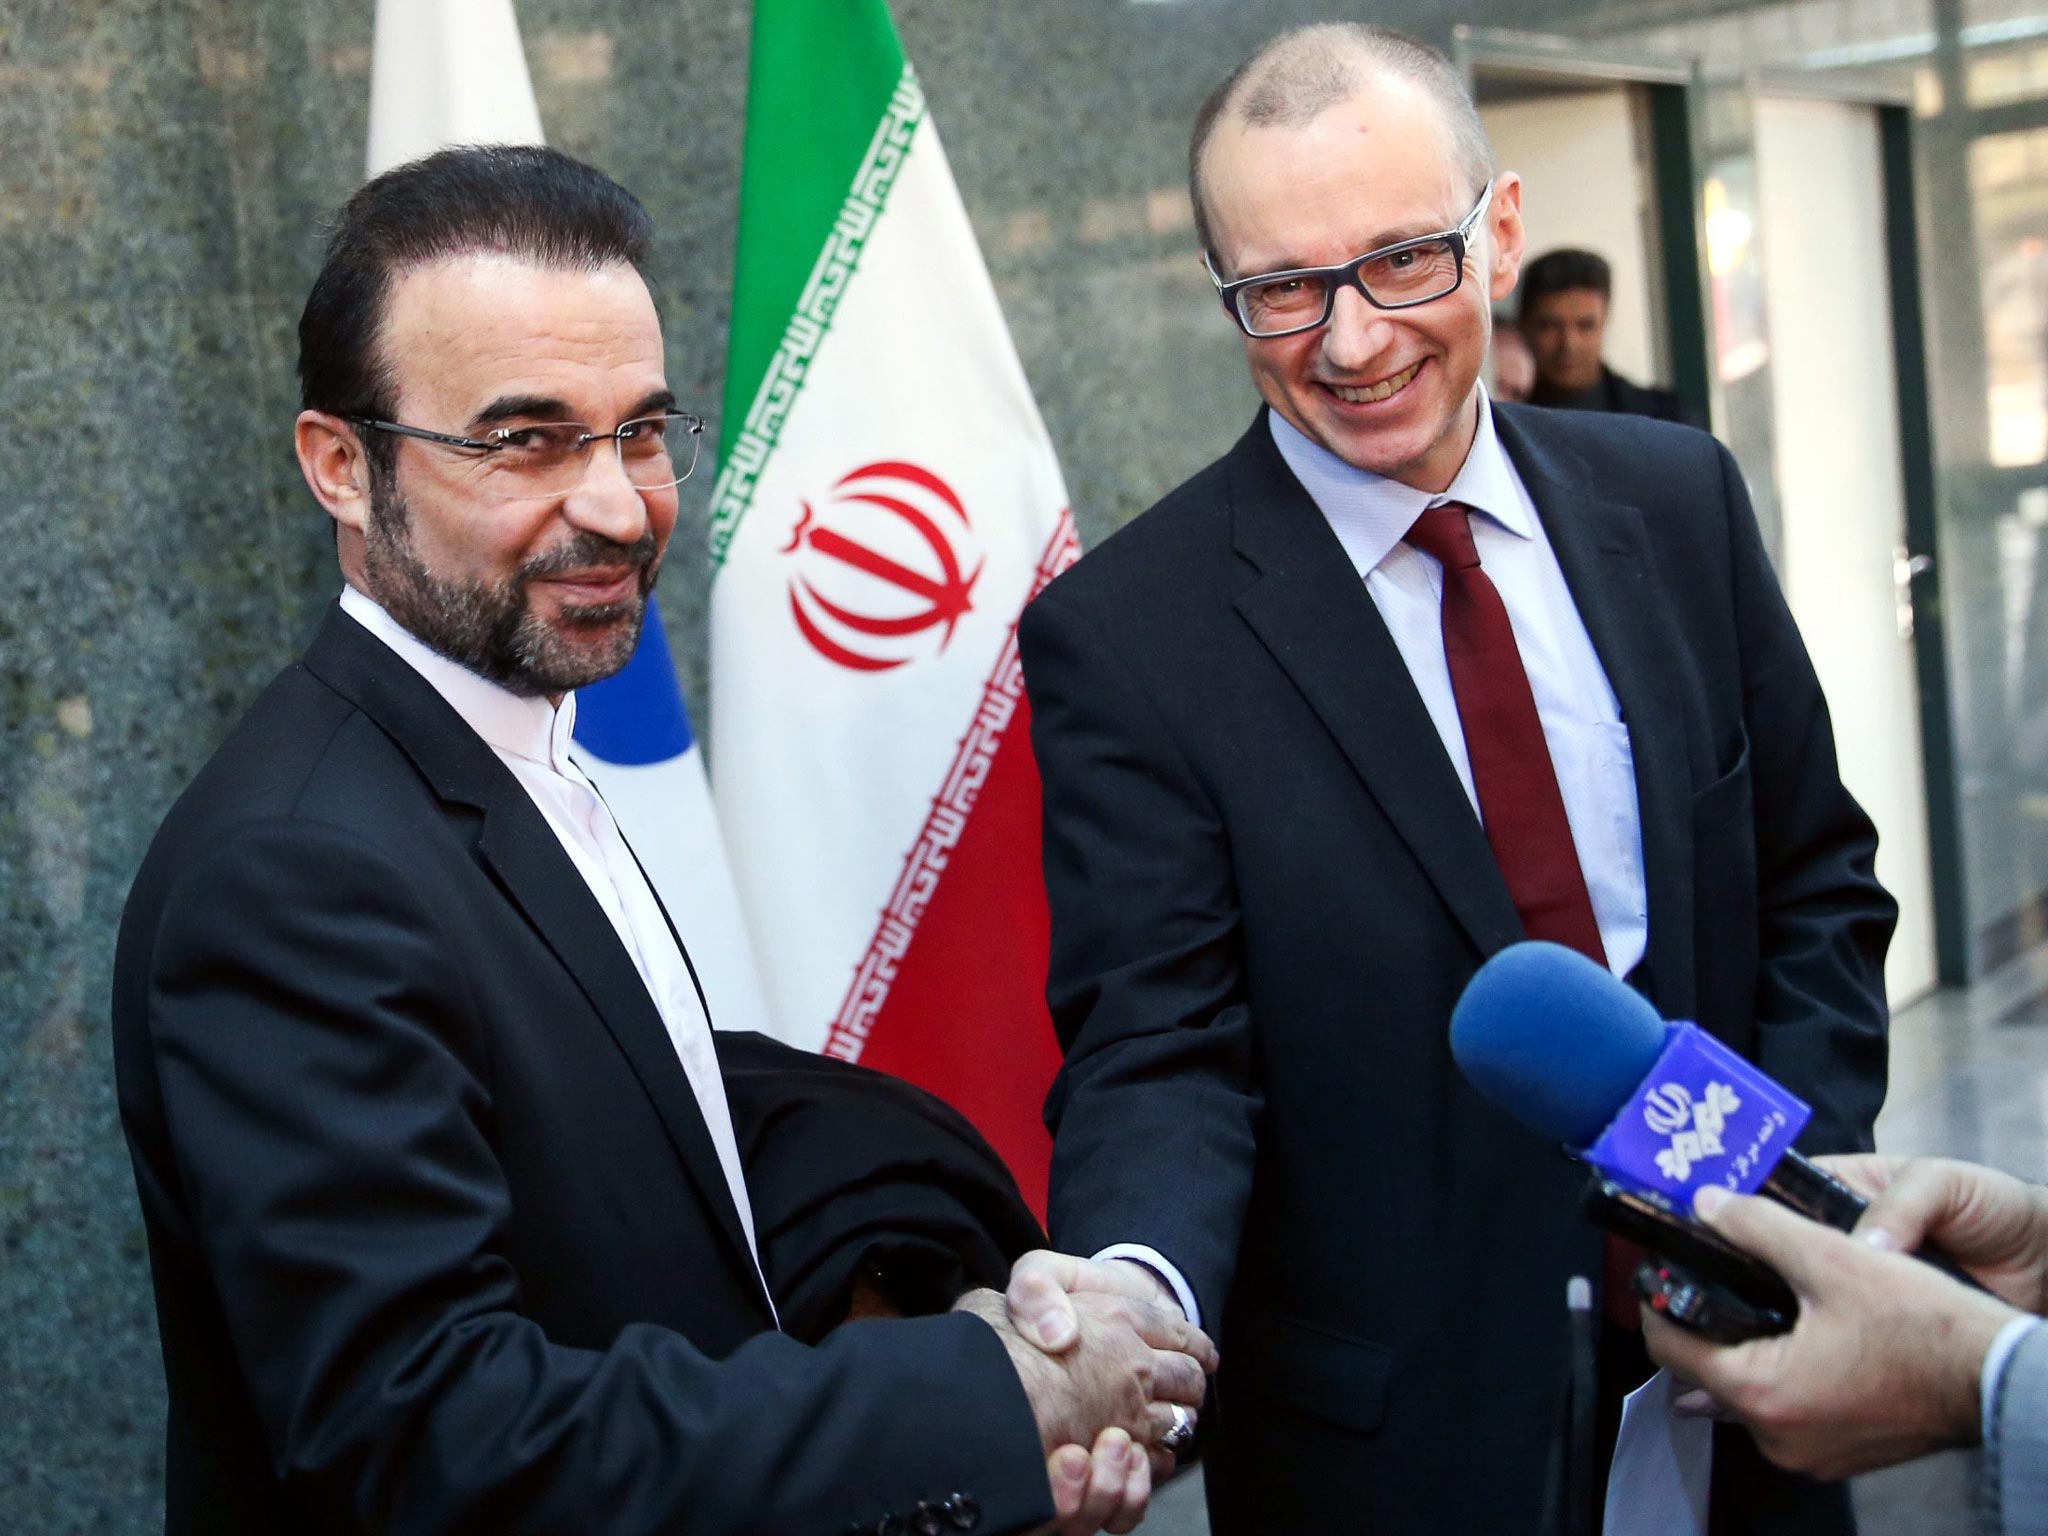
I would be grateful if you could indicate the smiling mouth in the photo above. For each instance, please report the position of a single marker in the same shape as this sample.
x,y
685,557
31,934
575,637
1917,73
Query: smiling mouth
x,y
1368,394
598,587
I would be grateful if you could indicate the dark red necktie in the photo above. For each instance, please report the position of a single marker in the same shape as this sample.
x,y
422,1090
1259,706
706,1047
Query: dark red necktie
x,y
1519,801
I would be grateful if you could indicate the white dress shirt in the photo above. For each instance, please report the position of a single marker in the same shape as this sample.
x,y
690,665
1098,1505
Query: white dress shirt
x,y
1996,1359
531,737
1589,745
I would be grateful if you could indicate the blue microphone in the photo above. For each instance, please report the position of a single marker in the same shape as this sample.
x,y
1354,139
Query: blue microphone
x,y
1555,1041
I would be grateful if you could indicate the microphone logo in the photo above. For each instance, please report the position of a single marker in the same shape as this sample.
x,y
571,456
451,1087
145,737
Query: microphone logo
x,y
1667,1111
1701,1115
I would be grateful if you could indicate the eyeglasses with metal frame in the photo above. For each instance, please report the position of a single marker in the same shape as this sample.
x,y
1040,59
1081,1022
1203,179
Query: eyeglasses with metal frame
x,y
531,460
1398,276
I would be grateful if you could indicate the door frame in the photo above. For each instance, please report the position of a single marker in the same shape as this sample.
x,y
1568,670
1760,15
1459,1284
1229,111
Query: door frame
x,y
1894,108
1672,92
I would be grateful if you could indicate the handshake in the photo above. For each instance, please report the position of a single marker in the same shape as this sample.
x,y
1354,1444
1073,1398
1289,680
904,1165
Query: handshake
x,y
1114,1374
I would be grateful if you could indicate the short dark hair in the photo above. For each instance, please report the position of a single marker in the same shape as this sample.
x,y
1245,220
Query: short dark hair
x,y
1293,77
514,200
1562,270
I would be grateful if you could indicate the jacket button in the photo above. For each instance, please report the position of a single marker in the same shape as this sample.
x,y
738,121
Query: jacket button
x,y
927,1519
961,1509
892,1525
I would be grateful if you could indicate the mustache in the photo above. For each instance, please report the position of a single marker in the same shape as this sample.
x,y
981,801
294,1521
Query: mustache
x,y
587,549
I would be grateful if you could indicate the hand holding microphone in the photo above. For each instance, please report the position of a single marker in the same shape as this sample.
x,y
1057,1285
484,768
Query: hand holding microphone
x,y
1661,1109
1887,1358
1888,1355
1578,1057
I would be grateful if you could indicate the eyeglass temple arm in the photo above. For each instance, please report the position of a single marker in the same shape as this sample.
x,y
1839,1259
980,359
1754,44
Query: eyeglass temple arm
x,y
398,430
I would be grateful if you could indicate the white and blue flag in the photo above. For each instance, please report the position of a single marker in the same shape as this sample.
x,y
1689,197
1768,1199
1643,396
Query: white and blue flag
x,y
633,739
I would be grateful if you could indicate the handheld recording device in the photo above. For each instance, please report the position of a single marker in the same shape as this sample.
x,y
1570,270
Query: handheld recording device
x,y
1696,1278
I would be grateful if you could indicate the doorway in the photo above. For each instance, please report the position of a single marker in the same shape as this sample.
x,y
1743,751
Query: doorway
x,y
1848,562
1603,142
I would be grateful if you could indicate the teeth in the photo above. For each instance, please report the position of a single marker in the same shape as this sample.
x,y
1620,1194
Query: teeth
x,y
1378,391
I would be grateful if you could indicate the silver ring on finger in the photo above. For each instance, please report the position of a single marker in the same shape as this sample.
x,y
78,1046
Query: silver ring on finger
x,y
1181,1433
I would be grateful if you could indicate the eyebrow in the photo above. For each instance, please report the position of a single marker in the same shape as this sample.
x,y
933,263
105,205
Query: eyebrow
x,y
511,407
552,408
1385,238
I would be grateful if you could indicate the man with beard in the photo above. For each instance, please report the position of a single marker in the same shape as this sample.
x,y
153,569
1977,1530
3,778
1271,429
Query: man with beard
x,y
447,1218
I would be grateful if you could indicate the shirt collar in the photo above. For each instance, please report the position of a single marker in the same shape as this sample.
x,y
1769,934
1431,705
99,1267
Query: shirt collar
x,y
1370,514
530,728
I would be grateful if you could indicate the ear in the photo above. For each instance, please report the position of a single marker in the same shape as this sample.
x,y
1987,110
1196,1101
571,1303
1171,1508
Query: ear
x,y
1506,237
331,458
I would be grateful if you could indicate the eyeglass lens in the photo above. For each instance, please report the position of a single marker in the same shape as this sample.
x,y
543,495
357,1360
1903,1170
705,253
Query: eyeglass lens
x,y
655,452
1413,275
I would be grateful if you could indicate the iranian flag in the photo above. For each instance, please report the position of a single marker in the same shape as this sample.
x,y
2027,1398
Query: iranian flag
x,y
887,503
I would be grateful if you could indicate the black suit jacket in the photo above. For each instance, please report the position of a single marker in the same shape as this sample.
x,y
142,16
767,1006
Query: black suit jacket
x,y
1268,889
439,1238
1615,392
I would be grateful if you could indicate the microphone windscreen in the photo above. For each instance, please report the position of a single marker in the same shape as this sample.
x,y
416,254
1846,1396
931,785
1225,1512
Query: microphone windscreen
x,y
1554,1040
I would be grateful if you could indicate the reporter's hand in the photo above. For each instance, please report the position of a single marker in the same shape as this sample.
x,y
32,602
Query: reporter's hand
x,y
1992,1224
1882,1366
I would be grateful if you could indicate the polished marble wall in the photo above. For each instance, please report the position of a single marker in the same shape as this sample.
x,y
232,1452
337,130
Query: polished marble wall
x,y
164,168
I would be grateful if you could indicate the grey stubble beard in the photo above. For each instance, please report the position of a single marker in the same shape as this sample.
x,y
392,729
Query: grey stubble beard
x,y
490,627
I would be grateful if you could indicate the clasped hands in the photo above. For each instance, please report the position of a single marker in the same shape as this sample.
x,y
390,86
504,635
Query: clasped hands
x,y
1104,1356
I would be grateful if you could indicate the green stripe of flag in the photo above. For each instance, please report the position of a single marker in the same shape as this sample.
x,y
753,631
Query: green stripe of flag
x,y
821,80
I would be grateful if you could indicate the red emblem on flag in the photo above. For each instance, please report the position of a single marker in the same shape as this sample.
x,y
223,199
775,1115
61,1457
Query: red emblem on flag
x,y
879,567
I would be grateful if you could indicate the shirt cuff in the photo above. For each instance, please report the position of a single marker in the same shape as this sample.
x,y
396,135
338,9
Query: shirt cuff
x,y
1168,1276
1996,1359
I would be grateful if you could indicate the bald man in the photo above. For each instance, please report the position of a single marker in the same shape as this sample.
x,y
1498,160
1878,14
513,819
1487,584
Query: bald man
x,y
1402,678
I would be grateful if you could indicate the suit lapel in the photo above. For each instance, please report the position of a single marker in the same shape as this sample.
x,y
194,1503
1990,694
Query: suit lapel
x,y
521,852
1311,611
1603,549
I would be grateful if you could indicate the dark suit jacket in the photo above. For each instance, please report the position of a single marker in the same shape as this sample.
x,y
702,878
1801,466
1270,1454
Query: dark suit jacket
x,y
439,1238
1624,396
1268,889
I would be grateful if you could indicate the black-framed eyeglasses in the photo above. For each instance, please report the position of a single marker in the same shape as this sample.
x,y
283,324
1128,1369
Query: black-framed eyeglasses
x,y
549,458
1397,276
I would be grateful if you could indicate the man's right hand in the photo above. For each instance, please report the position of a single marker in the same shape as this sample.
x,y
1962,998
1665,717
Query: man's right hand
x,y
1992,1224
1134,1358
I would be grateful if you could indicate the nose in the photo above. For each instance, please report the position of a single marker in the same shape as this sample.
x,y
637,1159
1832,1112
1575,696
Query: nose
x,y
604,501
1357,332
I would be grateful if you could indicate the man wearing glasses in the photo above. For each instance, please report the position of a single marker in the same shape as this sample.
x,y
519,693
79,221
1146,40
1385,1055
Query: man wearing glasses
x,y
447,1220
1403,678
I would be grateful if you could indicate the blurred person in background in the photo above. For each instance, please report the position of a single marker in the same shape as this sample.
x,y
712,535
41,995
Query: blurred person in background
x,y
1564,301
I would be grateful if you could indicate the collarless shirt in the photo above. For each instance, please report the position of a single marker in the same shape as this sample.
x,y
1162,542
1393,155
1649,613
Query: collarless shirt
x,y
1582,724
531,737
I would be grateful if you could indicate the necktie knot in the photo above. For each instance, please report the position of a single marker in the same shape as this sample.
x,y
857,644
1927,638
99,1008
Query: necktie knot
x,y
1445,532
